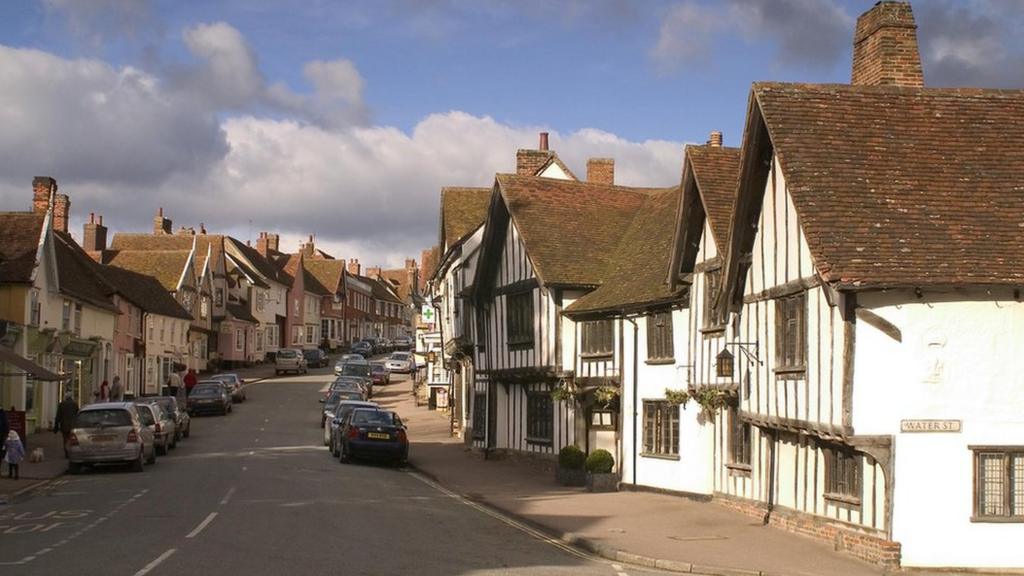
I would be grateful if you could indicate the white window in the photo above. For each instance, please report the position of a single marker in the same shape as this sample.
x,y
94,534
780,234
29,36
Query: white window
x,y
204,307
78,319
239,339
259,340
65,320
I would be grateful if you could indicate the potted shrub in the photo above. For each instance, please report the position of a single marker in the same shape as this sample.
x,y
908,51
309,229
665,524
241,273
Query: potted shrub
x,y
570,466
599,472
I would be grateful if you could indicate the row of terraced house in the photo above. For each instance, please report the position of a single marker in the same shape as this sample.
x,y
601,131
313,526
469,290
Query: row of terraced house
x,y
75,314
822,327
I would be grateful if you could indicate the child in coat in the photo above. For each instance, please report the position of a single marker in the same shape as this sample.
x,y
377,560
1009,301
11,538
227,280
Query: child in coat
x,y
15,453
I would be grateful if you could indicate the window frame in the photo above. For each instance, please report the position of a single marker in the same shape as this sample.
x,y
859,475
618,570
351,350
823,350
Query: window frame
x,y
844,474
741,436
1011,502
540,427
597,338
660,338
712,284
657,441
519,329
790,325
479,415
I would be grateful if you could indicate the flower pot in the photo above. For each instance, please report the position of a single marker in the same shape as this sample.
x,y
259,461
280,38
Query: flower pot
x,y
571,476
602,482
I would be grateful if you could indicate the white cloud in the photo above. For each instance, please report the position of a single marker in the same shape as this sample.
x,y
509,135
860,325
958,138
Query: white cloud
x,y
96,21
685,35
229,75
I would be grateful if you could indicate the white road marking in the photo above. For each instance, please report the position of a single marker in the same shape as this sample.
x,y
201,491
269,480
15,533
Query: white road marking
x,y
202,525
149,567
227,496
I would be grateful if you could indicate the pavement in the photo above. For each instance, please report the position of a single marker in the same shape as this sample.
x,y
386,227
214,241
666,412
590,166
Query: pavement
x,y
640,528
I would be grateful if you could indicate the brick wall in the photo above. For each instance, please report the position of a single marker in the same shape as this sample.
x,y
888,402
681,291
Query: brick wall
x,y
848,539
41,187
61,212
528,162
601,170
885,49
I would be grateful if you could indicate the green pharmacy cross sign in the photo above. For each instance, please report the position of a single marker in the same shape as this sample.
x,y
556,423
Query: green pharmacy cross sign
x,y
428,314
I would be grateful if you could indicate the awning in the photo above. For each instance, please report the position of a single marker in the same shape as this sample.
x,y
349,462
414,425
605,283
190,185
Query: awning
x,y
30,367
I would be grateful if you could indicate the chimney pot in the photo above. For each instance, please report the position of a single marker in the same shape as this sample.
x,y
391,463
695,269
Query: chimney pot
x,y
543,141
94,235
715,139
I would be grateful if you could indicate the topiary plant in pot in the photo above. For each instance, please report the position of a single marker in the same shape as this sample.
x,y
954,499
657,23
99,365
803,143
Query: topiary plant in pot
x,y
570,466
599,472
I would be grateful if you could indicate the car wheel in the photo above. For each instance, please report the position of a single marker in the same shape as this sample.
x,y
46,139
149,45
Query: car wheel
x,y
74,468
343,456
334,449
188,430
162,450
139,462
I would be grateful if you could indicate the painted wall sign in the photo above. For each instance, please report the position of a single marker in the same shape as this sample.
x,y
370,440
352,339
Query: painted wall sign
x,y
930,426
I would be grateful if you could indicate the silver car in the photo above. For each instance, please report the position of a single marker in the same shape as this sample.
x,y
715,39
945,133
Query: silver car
x,y
182,421
110,433
234,381
160,423
400,362
345,359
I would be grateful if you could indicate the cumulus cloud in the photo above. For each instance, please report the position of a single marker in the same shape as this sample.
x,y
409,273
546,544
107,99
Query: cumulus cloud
x,y
975,45
96,21
806,32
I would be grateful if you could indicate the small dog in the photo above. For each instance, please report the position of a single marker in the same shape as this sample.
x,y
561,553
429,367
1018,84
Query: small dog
x,y
36,455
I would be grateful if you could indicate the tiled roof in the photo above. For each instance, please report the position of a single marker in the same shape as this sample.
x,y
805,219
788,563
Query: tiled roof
x,y
571,229
463,210
78,275
164,265
903,186
431,258
380,289
241,312
291,263
19,241
716,170
328,273
635,274
262,264
213,243
144,291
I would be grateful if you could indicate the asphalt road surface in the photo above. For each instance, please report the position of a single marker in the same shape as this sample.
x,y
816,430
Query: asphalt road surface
x,y
256,493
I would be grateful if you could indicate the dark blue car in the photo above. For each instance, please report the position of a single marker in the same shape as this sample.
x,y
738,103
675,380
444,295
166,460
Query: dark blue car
x,y
374,434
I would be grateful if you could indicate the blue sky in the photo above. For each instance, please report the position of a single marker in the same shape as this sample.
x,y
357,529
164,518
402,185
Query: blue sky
x,y
367,108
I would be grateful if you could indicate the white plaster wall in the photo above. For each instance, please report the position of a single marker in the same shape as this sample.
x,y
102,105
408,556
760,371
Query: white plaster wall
x,y
556,172
961,357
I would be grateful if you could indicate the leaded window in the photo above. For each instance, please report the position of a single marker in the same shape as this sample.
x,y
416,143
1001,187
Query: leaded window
x,y
597,337
659,337
842,472
519,319
661,428
712,283
791,333
539,417
999,484
739,439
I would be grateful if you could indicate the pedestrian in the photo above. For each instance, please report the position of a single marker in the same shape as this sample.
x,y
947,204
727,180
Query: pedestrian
x,y
67,410
104,392
190,381
15,453
173,381
116,390
5,427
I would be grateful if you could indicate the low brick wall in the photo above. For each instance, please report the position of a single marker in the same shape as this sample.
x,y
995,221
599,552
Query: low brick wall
x,y
849,539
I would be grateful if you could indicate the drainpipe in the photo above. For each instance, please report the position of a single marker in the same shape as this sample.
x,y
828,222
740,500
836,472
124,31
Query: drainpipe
x,y
636,336
771,475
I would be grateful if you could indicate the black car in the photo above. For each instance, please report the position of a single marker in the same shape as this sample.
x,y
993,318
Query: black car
x,y
315,358
209,396
377,434
363,348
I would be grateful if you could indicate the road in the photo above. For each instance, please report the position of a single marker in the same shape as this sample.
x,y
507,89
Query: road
x,y
255,493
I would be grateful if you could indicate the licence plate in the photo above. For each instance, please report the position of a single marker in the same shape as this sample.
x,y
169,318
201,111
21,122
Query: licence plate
x,y
378,435
103,438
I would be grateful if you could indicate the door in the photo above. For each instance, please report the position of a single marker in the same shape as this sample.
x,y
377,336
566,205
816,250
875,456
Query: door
x,y
492,411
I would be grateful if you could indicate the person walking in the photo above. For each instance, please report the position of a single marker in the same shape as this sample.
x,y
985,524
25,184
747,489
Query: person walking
x,y
104,392
116,390
15,453
190,381
65,423
5,427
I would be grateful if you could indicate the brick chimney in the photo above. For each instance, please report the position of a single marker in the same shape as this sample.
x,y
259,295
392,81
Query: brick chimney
x,y
308,248
161,225
529,162
412,275
42,188
373,272
354,267
94,236
885,51
61,212
601,170
715,139
267,243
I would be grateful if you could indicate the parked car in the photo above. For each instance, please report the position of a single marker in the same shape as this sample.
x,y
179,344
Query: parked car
x,y
110,433
235,384
345,359
400,362
289,360
364,348
402,343
333,427
160,423
360,370
378,434
379,374
333,399
315,358
349,383
209,396
182,421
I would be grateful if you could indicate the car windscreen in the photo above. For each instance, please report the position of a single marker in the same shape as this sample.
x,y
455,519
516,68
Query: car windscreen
x,y
169,404
146,416
349,395
206,390
355,370
224,377
378,369
374,417
103,418
400,356
286,354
